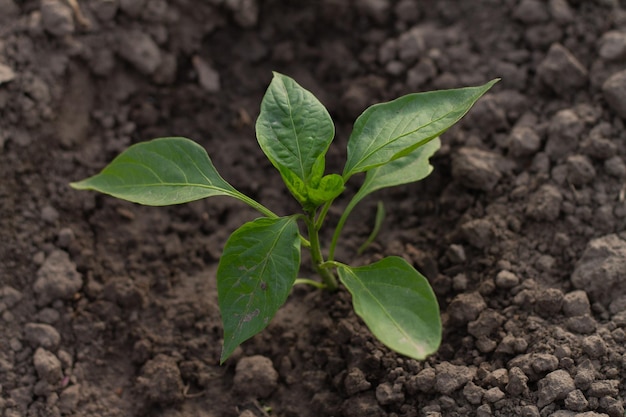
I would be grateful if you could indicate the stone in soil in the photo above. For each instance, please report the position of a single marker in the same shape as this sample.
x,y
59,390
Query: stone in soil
x,y
255,377
555,386
477,169
44,335
614,89
57,278
140,50
160,381
57,17
545,203
362,405
466,307
450,378
562,71
600,270
564,133
48,366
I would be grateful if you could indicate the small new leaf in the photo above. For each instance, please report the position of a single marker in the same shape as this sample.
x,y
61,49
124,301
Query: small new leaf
x,y
255,274
330,186
397,304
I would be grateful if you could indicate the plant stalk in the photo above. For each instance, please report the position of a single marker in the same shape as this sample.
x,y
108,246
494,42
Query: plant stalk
x,y
329,279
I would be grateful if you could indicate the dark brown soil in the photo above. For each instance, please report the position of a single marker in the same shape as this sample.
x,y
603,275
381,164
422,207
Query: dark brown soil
x,y
109,309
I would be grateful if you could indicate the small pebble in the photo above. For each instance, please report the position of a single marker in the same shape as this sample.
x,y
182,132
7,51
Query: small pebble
x,y
456,254
466,307
613,46
506,279
531,12
614,89
387,393
479,233
49,214
484,410
545,203
57,278
576,401
493,395
255,376
355,382
9,296
564,133
517,382
580,170
44,335
524,141
48,366
473,393
615,167
160,380
57,17
562,71
140,50
65,237
555,386
603,388
476,169
594,346
576,303
450,378
6,74
548,302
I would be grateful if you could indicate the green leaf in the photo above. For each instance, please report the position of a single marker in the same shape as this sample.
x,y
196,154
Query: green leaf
x,y
397,304
255,274
163,172
329,187
388,131
159,172
294,130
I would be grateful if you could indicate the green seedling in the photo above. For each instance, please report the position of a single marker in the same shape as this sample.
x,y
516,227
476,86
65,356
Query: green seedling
x,y
391,143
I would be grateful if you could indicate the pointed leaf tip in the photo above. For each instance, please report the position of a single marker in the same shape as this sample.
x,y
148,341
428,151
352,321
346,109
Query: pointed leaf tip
x,y
388,131
160,172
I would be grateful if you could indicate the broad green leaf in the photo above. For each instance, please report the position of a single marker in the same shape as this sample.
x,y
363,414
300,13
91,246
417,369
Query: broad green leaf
x,y
388,131
397,304
160,172
259,265
294,130
330,186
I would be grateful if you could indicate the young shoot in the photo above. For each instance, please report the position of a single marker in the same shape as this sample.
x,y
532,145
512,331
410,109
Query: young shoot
x,y
390,142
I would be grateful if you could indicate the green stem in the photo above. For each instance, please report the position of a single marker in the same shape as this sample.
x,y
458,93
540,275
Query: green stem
x,y
311,282
322,216
254,204
328,277
339,228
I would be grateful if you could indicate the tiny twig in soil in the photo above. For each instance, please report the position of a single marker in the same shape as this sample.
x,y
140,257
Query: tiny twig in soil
x,y
80,17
